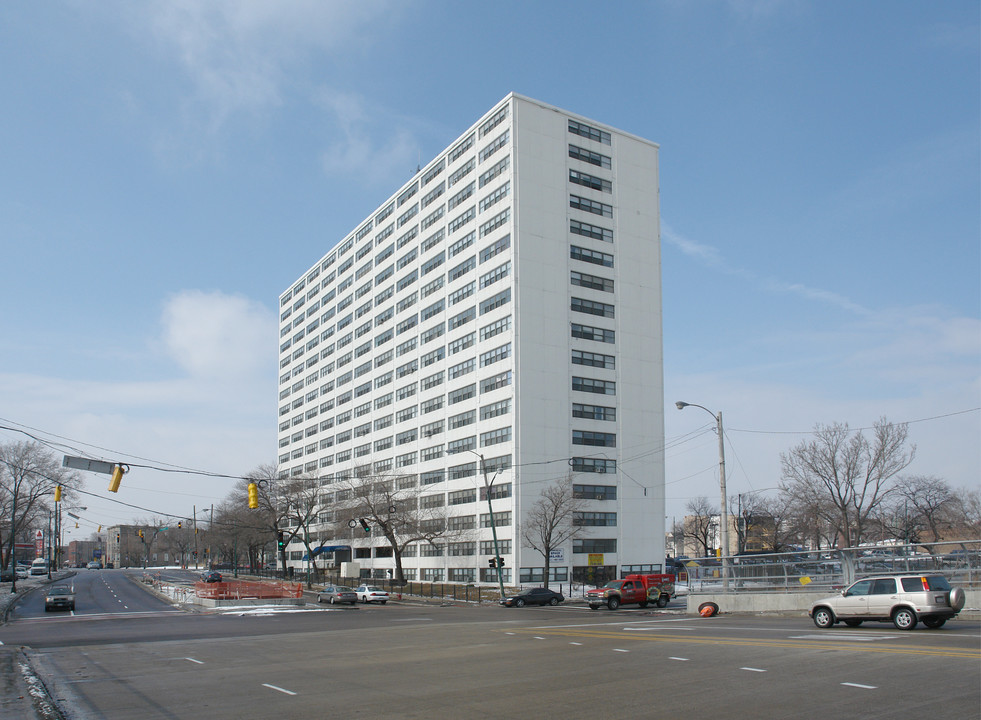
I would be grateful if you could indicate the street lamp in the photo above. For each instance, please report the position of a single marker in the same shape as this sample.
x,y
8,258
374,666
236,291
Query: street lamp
x,y
490,510
724,512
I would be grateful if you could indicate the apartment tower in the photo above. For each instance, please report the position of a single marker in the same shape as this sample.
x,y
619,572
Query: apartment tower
x,y
505,305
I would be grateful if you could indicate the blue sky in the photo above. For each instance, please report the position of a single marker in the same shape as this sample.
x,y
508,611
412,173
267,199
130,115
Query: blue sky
x,y
168,168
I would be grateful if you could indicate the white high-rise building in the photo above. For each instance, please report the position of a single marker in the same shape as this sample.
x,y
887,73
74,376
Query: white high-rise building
x,y
504,304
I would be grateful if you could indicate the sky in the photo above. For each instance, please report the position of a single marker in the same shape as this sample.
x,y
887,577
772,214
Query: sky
x,y
168,168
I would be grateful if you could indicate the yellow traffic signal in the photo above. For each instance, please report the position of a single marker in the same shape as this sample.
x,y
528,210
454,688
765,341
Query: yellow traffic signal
x,y
253,496
117,476
58,494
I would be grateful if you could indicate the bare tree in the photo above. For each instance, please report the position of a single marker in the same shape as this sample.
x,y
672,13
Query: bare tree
x,y
553,520
701,524
848,469
393,505
29,474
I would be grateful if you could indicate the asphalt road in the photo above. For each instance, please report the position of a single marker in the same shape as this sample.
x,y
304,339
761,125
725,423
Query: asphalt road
x,y
410,660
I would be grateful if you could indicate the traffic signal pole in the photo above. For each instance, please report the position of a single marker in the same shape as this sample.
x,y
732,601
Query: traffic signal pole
x,y
498,560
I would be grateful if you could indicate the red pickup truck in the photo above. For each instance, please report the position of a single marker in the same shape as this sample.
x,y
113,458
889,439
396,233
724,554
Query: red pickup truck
x,y
641,589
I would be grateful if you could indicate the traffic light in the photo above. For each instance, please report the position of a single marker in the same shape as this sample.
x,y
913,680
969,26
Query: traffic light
x,y
58,494
117,476
492,563
364,524
117,537
253,496
141,536
179,524
280,540
500,561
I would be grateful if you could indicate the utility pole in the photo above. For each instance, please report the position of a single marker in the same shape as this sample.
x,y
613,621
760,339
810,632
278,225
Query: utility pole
x,y
490,509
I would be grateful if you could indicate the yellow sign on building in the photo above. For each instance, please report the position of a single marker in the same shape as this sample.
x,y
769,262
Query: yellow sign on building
x,y
595,558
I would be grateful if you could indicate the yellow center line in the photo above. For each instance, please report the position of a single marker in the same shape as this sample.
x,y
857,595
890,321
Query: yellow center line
x,y
796,644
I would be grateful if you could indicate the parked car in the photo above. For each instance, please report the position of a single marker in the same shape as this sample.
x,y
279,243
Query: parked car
x,y
533,596
59,596
23,571
370,593
39,567
903,599
211,577
337,594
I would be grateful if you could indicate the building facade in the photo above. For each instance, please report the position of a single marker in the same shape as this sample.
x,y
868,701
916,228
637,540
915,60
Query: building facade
x,y
499,315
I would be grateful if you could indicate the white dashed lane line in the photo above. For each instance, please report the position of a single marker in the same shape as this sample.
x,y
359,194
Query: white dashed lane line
x,y
860,687
194,661
278,689
749,669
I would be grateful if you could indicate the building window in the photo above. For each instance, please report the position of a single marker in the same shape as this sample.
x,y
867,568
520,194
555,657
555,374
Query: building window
x,y
461,394
495,409
590,206
462,244
593,359
501,519
495,382
462,445
461,172
593,412
591,281
495,301
602,387
593,465
463,497
498,246
588,156
501,271
594,545
590,181
498,168
496,355
495,328
495,437
495,222
591,307
586,131
591,256
594,492
591,231
593,333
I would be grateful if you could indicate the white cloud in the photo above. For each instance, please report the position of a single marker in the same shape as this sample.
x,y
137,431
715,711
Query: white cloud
x,y
240,55
356,153
213,335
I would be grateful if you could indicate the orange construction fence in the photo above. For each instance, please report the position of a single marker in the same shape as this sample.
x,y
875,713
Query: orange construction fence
x,y
242,589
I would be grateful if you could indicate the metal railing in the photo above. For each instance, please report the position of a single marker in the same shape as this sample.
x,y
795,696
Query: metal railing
x,y
958,561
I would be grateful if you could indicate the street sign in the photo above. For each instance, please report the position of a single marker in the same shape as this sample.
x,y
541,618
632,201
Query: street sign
x,y
556,555
80,463
39,543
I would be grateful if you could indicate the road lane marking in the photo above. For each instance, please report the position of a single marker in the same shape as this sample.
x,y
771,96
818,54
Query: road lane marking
x,y
829,644
752,669
572,643
619,650
844,636
194,661
679,659
861,687
282,690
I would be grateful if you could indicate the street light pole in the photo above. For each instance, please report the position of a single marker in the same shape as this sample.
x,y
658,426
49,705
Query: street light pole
x,y
490,510
723,511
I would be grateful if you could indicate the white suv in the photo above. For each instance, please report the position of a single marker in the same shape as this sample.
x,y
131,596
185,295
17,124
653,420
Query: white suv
x,y
902,599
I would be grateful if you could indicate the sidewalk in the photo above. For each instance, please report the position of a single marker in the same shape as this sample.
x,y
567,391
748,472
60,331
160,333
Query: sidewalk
x,y
23,695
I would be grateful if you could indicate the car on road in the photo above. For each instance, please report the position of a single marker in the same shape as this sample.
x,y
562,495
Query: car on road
x,y
94,565
39,567
59,596
903,599
211,577
337,594
533,596
370,593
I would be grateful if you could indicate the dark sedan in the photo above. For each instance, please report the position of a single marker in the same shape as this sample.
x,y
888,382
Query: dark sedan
x,y
211,577
533,596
